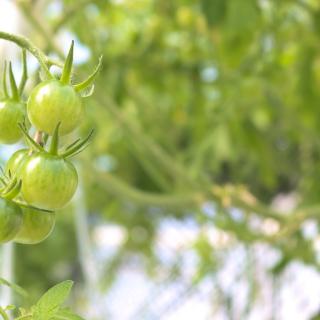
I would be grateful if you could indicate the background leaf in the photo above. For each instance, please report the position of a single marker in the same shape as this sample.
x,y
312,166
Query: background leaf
x,y
49,304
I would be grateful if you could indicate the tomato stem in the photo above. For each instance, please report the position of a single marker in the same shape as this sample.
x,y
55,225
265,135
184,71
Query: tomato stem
x,y
38,137
55,140
4,81
13,84
67,68
29,139
24,75
28,45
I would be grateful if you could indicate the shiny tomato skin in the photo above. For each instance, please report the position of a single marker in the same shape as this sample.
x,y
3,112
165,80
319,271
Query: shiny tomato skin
x,y
10,220
14,164
48,182
36,226
51,102
11,114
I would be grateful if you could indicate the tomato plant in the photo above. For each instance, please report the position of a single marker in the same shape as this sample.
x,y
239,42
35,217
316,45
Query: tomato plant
x,y
37,179
40,177
49,306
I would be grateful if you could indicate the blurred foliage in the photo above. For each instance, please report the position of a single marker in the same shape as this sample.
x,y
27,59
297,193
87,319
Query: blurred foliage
x,y
206,101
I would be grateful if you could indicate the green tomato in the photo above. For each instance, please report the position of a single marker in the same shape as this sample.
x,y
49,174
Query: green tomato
x,y
11,114
15,162
52,102
10,220
36,226
48,182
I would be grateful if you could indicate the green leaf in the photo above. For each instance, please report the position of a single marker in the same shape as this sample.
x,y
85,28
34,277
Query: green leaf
x,y
49,304
66,314
14,287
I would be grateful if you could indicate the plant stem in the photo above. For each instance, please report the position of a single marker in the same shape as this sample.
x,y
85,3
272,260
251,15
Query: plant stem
x,y
124,191
38,137
28,45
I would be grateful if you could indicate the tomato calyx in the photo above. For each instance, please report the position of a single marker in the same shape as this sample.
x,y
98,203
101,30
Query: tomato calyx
x,y
67,70
71,150
16,91
10,190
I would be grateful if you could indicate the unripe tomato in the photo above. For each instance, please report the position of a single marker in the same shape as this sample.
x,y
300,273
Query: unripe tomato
x,y
11,114
15,161
52,102
10,220
48,181
36,226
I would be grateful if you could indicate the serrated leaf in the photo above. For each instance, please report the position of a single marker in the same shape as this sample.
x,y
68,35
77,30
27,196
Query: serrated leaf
x,y
49,304
14,287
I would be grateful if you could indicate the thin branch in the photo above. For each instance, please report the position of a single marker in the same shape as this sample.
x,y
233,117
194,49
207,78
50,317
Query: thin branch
x,y
124,191
28,45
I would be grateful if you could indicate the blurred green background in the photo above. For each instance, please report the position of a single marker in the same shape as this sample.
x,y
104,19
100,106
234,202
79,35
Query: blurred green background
x,y
202,180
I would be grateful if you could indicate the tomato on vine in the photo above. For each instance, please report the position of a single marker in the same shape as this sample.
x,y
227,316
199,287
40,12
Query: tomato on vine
x,y
49,179
10,212
58,101
15,161
10,220
37,181
36,226
53,101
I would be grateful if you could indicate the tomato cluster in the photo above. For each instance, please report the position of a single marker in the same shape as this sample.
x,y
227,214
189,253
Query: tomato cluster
x,y
38,179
